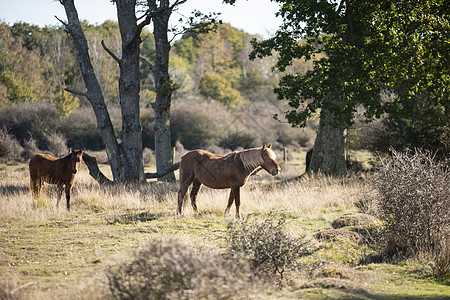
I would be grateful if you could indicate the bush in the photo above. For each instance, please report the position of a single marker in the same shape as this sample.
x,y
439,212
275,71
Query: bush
x,y
195,124
267,245
441,261
244,139
10,148
169,270
57,144
30,149
413,201
29,120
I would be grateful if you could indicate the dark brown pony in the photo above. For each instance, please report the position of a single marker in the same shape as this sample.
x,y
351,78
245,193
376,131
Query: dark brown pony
x,y
221,172
59,171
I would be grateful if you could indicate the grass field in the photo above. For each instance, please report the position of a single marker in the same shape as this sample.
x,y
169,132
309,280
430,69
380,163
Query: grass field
x,y
49,253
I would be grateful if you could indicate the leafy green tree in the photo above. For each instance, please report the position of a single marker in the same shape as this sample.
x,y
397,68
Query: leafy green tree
x,y
216,87
370,47
66,103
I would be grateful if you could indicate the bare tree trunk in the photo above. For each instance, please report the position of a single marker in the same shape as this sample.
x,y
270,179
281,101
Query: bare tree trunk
x,y
329,148
164,89
129,86
94,93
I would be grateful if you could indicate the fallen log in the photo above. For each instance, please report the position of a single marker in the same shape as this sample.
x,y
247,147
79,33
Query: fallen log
x,y
94,170
164,172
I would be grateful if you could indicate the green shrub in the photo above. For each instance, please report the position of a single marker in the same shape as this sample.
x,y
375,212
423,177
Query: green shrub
x,y
216,87
413,202
169,270
267,244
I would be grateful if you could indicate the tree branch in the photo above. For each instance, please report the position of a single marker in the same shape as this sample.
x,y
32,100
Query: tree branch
x,y
66,26
76,92
139,28
164,172
146,62
111,53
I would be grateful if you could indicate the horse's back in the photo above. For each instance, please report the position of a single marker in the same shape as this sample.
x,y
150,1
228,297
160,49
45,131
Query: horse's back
x,y
210,169
47,167
36,163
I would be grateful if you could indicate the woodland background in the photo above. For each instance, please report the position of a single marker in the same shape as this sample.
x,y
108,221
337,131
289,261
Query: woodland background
x,y
223,99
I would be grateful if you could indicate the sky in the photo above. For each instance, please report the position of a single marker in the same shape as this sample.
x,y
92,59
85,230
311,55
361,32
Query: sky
x,y
252,16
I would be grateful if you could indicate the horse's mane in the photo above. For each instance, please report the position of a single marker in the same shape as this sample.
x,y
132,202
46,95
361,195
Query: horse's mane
x,y
251,158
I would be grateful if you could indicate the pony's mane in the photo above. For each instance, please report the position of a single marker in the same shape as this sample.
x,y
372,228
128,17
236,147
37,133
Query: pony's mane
x,y
251,158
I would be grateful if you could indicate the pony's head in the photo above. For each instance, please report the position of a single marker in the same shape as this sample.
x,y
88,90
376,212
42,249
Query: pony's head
x,y
269,164
75,158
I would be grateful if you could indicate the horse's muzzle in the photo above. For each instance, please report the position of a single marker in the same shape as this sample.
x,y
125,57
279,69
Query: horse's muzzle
x,y
74,171
276,171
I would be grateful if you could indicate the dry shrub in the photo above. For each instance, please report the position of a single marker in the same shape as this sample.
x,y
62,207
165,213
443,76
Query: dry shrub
x,y
267,244
149,157
57,143
30,149
10,148
441,261
169,270
413,201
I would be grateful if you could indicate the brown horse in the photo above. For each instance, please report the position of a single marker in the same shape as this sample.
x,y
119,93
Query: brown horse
x,y
59,171
221,172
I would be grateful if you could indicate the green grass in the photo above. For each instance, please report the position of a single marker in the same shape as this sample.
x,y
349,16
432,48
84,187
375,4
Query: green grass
x,y
49,253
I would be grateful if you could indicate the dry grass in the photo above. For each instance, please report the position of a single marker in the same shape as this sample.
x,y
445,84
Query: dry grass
x,y
49,253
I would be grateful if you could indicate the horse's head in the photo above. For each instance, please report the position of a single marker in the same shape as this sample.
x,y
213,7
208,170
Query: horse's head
x,y
268,156
75,158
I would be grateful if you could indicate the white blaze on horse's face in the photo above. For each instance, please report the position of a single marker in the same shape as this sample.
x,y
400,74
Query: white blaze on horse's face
x,y
270,165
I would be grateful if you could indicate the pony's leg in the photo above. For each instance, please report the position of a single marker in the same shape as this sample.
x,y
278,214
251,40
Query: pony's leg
x,y
60,191
194,192
33,189
181,194
37,188
237,200
184,185
230,202
68,190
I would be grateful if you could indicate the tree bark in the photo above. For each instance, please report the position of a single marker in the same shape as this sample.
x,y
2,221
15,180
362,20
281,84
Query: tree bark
x,y
129,86
94,93
328,156
164,89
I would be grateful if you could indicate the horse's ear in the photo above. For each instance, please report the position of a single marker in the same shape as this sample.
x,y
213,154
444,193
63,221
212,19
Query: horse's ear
x,y
270,146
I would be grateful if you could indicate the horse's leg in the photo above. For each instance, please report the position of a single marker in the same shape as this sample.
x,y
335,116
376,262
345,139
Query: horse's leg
x,y
194,192
184,185
37,188
33,188
60,191
237,200
68,190
230,202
